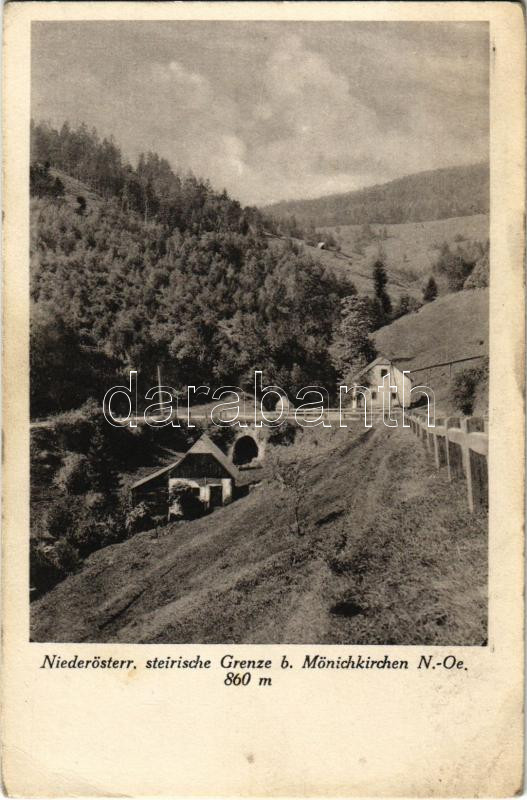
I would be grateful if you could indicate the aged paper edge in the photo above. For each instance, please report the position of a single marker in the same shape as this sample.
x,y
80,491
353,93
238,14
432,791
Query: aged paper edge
x,y
484,756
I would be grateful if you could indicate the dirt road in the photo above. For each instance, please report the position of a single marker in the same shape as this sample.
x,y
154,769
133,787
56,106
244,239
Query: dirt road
x,y
388,553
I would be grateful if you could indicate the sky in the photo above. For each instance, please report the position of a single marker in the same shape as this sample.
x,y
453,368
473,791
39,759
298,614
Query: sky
x,y
273,110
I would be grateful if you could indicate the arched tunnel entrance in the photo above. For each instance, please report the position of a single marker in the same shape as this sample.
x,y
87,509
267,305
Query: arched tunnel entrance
x,y
245,449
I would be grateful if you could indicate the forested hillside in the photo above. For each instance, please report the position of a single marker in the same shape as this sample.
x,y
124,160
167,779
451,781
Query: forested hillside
x,y
134,268
142,267
436,194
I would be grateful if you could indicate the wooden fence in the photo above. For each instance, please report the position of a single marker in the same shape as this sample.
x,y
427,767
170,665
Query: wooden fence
x,y
461,445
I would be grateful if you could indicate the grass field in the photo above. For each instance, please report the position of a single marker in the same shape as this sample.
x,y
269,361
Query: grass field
x,y
359,270
409,251
452,327
388,554
413,247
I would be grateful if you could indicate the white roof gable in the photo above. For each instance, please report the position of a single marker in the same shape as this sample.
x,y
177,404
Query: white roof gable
x,y
380,360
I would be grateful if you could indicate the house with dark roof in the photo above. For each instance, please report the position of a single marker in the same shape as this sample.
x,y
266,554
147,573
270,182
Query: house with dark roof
x,y
204,470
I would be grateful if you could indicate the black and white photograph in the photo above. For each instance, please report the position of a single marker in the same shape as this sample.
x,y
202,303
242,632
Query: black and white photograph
x,y
259,332
263,410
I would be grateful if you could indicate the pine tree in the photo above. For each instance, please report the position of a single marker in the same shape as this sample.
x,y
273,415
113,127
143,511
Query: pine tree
x,y
430,290
352,347
380,278
384,303
102,471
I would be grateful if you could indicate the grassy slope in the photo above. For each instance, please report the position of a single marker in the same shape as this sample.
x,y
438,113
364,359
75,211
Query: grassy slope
x,y
358,269
383,530
412,247
74,188
410,251
454,326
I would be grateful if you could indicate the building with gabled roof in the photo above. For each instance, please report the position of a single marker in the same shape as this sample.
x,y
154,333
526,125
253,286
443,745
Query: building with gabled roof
x,y
203,469
372,377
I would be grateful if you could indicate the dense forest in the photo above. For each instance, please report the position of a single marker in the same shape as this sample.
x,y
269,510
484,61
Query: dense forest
x,y
140,267
436,194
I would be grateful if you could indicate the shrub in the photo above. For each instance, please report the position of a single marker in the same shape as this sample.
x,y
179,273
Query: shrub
x,y
479,277
184,502
74,429
138,519
84,537
66,557
44,571
48,564
60,517
82,521
73,477
465,385
406,305
111,530
91,533
458,264
283,435
430,290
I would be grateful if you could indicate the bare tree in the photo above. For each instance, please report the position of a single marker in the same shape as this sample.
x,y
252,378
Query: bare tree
x,y
293,478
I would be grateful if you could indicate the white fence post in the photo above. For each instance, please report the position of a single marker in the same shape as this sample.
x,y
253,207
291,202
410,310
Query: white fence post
x,y
467,466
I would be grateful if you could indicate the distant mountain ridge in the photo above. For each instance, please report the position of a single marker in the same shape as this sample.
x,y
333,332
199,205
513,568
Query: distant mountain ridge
x,y
424,196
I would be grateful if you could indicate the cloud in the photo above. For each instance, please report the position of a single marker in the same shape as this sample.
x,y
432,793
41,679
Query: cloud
x,y
314,130
272,110
234,152
308,133
173,83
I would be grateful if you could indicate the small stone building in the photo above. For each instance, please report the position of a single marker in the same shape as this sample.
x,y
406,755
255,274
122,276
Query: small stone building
x,y
204,469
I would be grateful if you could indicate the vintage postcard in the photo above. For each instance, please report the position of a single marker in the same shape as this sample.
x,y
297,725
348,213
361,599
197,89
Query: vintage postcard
x,y
263,412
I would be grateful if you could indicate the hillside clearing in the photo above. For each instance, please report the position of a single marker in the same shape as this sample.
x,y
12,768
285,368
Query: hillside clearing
x,y
389,555
413,247
453,327
409,251
357,269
